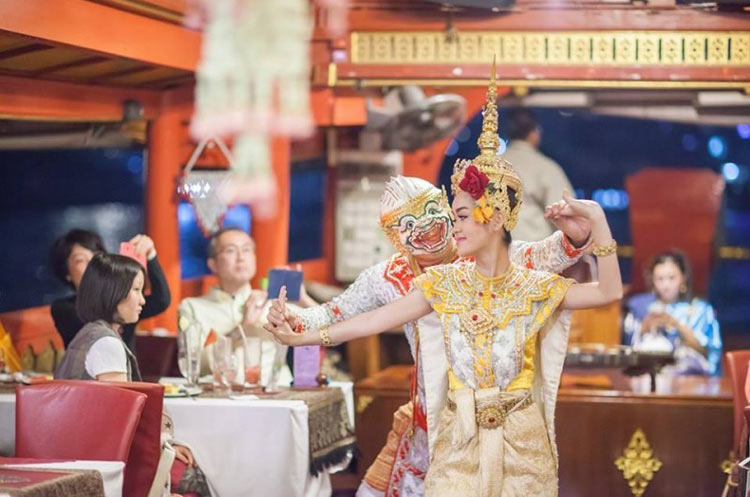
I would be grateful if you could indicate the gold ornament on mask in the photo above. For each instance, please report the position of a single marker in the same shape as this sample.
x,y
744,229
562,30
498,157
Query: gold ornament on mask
x,y
499,171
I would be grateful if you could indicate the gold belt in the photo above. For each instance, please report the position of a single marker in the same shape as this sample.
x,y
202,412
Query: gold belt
x,y
491,414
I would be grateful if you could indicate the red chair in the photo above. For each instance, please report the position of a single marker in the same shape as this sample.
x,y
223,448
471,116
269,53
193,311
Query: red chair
x,y
737,365
145,451
674,208
76,420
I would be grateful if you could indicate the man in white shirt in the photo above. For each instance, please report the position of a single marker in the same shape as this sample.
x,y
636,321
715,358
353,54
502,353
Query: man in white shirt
x,y
234,303
543,179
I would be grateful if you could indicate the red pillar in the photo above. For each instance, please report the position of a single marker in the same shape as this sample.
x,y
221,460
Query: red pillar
x,y
166,136
272,235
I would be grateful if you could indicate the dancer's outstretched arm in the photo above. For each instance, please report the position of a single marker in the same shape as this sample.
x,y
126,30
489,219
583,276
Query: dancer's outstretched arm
x,y
363,295
609,287
408,308
553,254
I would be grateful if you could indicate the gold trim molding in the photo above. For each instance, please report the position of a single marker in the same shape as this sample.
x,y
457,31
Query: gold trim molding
x,y
637,463
363,402
574,48
335,80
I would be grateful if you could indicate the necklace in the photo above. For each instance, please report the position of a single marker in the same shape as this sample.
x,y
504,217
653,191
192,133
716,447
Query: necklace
x,y
478,323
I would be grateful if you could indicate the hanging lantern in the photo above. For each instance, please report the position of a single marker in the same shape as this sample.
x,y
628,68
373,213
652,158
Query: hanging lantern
x,y
204,189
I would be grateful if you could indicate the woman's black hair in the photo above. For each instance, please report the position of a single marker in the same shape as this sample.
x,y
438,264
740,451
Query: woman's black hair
x,y
63,246
106,282
681,261
512,201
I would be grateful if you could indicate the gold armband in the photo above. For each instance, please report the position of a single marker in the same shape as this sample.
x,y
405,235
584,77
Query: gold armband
x,y
605,250
325,338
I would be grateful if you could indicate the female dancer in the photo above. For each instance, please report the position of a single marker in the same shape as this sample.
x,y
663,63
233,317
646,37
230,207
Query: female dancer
x,y
504,339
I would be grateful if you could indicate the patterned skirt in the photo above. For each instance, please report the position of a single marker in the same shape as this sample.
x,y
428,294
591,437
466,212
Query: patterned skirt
x,y
401,465
491,444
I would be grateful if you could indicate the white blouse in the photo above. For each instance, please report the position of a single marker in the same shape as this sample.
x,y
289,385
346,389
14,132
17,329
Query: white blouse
x,y
106,355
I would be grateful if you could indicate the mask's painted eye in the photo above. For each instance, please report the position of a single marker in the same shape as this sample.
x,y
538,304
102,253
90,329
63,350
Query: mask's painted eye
x,y
407,223
431,208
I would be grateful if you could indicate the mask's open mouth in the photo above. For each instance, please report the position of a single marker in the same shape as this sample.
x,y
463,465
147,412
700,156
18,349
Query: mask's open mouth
x,y
432,239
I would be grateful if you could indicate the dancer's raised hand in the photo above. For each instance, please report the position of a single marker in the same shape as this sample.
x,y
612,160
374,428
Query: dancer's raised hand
x,y
279,320
574,217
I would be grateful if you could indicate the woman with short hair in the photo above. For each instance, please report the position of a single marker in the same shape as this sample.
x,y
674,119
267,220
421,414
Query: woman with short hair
x,y
110,296
69,257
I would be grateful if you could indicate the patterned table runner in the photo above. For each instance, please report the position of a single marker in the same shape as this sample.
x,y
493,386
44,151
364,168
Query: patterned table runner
x,y
43,483
331,436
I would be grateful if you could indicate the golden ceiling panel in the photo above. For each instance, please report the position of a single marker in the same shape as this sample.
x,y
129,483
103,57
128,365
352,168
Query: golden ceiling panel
x,y
42,59
143,77
97,68
165,10
10,41
613,48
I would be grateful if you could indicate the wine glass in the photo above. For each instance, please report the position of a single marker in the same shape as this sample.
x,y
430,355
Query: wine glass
x,y
225,362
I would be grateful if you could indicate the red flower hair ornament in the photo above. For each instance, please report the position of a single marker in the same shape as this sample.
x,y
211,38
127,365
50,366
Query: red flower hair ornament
x,y
474,182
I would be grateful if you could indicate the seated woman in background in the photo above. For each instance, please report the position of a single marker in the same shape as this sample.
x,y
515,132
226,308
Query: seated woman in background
x,y
670,319
110,296
71,253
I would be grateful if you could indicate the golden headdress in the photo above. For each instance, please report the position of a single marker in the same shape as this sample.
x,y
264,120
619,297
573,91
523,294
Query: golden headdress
x,y
487,177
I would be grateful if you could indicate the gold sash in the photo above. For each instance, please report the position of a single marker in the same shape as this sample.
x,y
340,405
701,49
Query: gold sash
x,y
491,444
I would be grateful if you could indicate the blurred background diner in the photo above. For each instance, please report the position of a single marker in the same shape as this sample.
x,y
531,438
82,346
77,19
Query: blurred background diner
x,y
206,157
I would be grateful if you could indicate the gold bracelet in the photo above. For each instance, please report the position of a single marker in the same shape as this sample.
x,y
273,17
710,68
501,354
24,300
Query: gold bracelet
x,y
605,250
325,338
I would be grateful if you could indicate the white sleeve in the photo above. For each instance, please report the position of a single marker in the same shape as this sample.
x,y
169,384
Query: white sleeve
x,y
106,355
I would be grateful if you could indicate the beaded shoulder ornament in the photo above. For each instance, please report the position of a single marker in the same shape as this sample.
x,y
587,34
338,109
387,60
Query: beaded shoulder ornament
x,y
487,177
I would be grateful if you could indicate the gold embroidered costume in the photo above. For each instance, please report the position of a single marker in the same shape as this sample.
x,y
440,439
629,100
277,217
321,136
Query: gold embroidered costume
x,y
492,438
504,341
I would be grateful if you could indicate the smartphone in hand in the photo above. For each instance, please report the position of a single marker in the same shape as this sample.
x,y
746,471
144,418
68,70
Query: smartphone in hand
x,y
128,250
284,277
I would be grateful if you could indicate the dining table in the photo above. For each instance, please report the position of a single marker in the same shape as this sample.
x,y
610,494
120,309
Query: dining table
x,y
249,443
45,482
282,443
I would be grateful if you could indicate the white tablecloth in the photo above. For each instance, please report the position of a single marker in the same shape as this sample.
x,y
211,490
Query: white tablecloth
x,y
7,424
111,471
252,448
245,448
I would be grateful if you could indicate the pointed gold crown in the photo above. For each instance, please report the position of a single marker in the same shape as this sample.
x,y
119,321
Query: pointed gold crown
x,y
498,171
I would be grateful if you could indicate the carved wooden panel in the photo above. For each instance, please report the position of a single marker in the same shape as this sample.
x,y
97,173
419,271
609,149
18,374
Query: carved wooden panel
x,y
594,48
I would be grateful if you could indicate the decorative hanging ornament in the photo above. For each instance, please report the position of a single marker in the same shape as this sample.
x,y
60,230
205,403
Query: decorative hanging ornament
x,y
253,82
204,189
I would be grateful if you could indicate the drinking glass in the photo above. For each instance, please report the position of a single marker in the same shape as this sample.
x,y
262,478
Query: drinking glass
x,y
225,362
252,355
189,353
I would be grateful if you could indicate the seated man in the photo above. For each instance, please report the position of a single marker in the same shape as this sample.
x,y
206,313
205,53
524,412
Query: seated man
x,y
234,303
